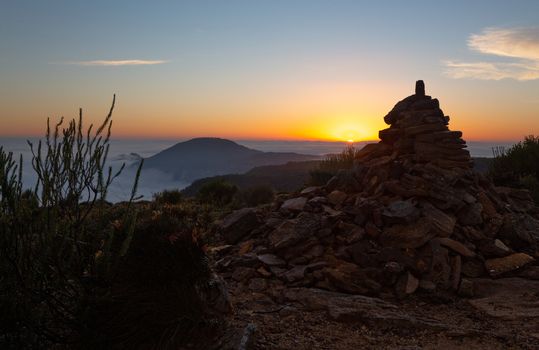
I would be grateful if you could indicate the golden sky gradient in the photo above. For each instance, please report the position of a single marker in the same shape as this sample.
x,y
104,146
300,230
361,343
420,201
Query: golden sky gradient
x,y
325,112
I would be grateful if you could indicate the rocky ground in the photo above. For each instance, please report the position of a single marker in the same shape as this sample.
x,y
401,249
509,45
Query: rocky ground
x,y
504,315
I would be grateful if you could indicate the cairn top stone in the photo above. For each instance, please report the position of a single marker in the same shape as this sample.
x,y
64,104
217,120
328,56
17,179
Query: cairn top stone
x,y
419,129
420,88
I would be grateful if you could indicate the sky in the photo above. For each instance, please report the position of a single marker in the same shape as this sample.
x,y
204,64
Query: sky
x,y
268,70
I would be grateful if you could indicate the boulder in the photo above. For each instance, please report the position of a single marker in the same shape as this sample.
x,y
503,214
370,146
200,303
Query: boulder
x,y
521,230
350,278
488,207
310,190
439,269
412,235
295,274
401,212
238,224
456,246
298,272
243,273
407,284
258,284
498,266
337,197
466,288
494,249
285,235
271,260
473,268
292,231
470,215
442,223
294,204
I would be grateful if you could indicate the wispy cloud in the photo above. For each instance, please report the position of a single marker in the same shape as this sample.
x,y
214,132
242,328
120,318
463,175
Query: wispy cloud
x,y
519,45
492,70
508,42
116,62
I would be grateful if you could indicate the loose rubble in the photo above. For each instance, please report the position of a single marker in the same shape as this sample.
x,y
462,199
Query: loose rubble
x,y
411,216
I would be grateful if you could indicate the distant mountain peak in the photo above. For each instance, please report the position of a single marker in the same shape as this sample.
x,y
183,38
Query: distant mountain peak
x,y
210,144
209,156
210,140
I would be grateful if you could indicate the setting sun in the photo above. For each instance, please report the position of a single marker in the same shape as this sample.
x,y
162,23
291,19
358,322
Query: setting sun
x,y
345,129
352,134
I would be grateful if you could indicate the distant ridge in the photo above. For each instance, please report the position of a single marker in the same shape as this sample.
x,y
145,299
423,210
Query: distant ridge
x,y
287,177
206,156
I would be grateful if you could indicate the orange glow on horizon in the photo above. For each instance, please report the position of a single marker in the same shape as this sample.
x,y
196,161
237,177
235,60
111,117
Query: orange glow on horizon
x,y
290,127
328,129
348,128
323,111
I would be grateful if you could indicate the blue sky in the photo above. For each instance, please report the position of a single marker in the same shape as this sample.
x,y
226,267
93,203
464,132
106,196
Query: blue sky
x,y
246,68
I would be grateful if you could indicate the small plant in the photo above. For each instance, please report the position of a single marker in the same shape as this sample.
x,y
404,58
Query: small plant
x,y
331,165
217,193
518,166
257,195
168,196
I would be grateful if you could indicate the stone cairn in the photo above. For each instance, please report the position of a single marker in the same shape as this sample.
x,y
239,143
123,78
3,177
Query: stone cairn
x,y
411,215
419,129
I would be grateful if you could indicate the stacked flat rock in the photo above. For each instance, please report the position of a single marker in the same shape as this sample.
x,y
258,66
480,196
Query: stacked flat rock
x,y
411,215
420,128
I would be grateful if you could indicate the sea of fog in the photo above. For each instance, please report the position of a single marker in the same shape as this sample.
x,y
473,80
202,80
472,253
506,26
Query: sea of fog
x,y
153,181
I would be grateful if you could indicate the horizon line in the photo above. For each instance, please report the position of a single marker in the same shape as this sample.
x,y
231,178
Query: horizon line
x,y
185,138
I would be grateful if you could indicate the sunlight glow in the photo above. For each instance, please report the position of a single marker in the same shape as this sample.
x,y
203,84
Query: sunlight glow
x,y
349,132
347,128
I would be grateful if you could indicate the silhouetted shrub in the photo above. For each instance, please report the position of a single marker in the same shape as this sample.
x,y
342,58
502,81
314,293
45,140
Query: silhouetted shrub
x,y
49,236
168,196
217,193
78,272
518,166
331,165
319,177
257,195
